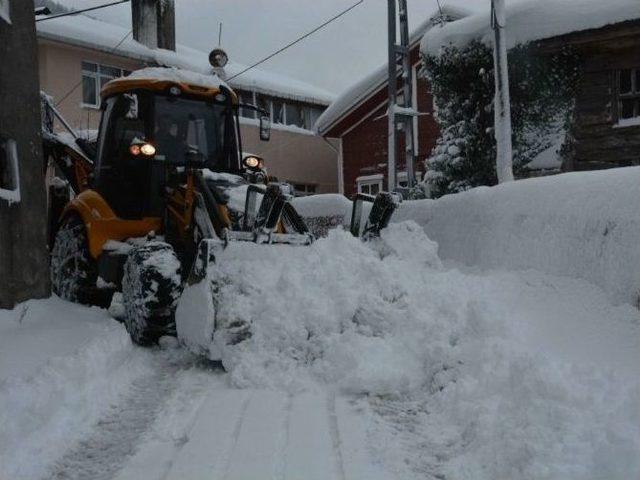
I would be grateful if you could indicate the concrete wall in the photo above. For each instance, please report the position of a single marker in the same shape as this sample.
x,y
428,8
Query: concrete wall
x,y
296,157
24,260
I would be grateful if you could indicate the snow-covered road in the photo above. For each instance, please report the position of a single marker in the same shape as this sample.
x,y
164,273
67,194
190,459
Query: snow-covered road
x,y
367,361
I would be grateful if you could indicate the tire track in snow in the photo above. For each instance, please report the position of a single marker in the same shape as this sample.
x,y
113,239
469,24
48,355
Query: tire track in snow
x,y
334,431
281,461
117,433
233,443
184,440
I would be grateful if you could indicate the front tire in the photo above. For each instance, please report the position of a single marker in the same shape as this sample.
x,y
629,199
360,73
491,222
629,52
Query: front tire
x,y
73,271
151,286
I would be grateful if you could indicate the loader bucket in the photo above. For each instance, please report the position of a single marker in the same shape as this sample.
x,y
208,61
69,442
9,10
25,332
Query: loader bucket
x,y
198,325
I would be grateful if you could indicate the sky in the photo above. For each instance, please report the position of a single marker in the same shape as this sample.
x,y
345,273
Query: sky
x,y
333,58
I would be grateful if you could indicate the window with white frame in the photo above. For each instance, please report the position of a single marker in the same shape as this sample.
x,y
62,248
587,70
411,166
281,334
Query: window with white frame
x,y
246,98
94,77
281,112
628,94
371,184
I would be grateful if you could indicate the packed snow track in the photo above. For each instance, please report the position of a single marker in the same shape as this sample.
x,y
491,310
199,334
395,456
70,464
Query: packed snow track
x,y
367,361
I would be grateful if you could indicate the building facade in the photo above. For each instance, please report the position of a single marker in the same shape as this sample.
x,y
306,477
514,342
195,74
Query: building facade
x,y
357,120
606,123
77,55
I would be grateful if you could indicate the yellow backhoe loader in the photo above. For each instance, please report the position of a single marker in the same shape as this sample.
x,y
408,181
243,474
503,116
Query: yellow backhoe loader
x,y
145,206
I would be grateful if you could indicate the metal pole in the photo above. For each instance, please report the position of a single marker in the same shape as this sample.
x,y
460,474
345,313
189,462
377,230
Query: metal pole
x,y
391,146
407,88
502,102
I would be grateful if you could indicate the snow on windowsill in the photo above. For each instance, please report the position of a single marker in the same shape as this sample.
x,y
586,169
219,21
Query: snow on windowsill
x,y
628,122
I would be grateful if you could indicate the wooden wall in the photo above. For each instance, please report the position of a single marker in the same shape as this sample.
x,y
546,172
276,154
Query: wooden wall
x,y
600,143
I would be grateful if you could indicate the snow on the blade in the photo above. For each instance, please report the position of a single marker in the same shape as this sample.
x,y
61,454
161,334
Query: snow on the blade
x,y
473,376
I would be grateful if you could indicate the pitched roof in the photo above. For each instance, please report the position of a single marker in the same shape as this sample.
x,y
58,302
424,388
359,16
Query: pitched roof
x,y
530,20
87,32
363,89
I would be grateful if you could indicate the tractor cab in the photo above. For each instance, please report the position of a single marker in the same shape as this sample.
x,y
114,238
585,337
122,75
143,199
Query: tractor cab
x,y
149,135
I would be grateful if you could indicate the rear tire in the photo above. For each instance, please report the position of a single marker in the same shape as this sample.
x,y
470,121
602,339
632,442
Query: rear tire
x,y
151,286
73,271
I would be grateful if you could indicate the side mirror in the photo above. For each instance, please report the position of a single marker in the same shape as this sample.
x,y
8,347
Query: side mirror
x,y
265,128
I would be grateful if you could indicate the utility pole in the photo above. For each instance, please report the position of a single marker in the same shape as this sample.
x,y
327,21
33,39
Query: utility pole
x,y
393,96
400,54
24,259
153,23
502,102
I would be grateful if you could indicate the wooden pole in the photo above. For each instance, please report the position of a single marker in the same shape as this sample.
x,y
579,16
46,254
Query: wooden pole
x,y
24,259
502,102
391,134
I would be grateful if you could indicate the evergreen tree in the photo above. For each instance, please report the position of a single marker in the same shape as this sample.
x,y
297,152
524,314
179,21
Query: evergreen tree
x,y
542,91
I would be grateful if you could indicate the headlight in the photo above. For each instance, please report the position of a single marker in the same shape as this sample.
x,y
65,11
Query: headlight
x,y
145,149
148,149
252,162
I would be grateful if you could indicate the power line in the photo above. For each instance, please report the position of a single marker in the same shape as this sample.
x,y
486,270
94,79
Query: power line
x,y
308,34
75,87
440,8
76,12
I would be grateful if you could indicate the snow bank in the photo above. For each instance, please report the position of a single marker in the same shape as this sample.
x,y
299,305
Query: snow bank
x,y
471,376
61,366
583,224
529,20
324,212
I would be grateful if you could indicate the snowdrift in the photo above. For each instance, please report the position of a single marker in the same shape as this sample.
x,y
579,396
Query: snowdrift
x,y
584,225
470,376
61,366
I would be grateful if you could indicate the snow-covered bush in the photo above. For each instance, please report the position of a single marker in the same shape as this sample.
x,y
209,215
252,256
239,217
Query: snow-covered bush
x,y
542,94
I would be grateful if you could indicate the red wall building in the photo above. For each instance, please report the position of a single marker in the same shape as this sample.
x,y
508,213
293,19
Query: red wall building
x,y
357,118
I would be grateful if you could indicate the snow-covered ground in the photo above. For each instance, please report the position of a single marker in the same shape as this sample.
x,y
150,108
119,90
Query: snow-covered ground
x,y
367,361
510,350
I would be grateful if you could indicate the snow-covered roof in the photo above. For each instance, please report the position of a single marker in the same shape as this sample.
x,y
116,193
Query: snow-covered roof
x,y
530,20
173,74
87,32
364,88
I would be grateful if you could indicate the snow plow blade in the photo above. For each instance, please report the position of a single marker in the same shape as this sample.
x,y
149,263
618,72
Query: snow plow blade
x,y
197,324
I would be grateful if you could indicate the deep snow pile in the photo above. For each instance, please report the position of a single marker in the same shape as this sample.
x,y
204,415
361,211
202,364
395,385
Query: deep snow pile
x,y
471,376
61,366
582,224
